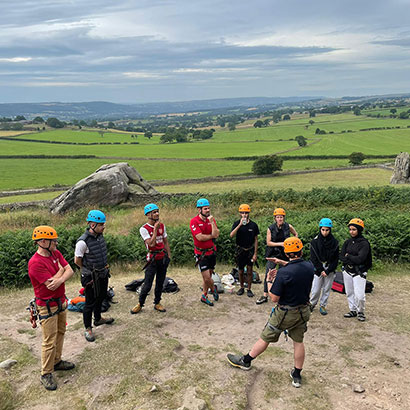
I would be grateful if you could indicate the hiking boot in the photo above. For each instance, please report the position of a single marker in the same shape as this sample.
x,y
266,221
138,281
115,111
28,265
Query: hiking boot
x,y
262,299
89,335
323,310
237,361
136,309
350,314
204,299
240,292
215,295
296,381
159,307
250,293
64,365
361,316
48,381
104,321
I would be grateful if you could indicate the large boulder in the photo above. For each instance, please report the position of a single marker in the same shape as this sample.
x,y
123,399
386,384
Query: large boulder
x,y
111,184
401,174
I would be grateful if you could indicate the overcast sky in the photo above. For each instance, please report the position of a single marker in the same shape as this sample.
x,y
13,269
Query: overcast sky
x,y
134,51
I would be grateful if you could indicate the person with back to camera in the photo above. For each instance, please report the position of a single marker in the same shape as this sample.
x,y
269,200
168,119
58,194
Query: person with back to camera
x,y
289,289
275,236
246,234
324,255
357,260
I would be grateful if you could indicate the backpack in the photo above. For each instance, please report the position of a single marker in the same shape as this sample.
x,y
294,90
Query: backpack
x,y
134,285
170,286
217,283
339,284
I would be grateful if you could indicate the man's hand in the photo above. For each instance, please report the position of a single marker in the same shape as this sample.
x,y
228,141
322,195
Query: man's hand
x,y
323,274
54,283
211,219
254,257
156,226
272,275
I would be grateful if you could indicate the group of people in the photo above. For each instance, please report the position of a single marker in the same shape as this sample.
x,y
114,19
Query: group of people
x,y
288,278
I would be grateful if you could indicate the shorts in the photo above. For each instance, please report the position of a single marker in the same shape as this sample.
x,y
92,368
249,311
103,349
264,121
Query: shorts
x,y
244,259
206,262
294,321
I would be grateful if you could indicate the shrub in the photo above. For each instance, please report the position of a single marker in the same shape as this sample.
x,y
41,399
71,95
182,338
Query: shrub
x,y
267,165
356,158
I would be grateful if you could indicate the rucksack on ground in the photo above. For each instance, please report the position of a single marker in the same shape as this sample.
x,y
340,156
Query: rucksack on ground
x,y
339,284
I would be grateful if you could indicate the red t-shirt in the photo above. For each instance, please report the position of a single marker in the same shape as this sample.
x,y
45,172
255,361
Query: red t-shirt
x,y
198,225
42,268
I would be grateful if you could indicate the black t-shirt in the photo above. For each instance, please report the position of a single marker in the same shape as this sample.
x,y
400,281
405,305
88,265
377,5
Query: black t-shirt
x,y
245,237
293,283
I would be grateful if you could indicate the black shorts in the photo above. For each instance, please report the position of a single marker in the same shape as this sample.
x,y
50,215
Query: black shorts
x,y
244,259
206,262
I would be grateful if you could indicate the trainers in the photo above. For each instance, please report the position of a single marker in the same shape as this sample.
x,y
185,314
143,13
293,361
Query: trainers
x,y
361,316
323,310
136,309
240,292
262,299
103,321
250,293
296,381
205,300
89,335
159,307
237,361
64,365
215,295
48,381
350,314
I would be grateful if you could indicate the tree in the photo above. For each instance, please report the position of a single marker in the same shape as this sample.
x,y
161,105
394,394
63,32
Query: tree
x,y
312,114
393,111
231,126
266,122
54,123
357,111
38,120
404,115
311,122
101,133
267,165
148,134
356,158
258,124
19,118
301,140
111,124
286,117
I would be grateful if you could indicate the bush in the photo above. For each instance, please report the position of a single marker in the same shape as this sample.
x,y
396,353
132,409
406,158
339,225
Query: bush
x,y
356,158
267,165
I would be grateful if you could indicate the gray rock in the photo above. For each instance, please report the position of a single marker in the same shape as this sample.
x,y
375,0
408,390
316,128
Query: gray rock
x,y
7,364
358,389
191,402
111,184
401,174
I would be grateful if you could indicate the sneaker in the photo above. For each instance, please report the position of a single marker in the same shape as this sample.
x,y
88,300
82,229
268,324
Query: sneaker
x,y
296,381
159,307
240,292
312,307
136,309
361,316
89,335
262,299
204,299
215,295
48,381
350,314
104,321
250,293
323,310
237,361
64,365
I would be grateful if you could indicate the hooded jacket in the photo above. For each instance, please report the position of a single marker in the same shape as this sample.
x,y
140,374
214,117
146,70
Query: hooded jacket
x,y
324,250
356,255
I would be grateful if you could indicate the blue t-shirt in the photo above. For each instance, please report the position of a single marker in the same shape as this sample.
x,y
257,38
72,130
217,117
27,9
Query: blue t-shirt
x,y
293,283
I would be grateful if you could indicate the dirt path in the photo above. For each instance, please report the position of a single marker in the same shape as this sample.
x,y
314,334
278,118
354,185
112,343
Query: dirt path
x,y
187,346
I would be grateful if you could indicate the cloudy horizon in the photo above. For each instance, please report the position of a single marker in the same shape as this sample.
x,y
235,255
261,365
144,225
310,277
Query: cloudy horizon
x,y
178,50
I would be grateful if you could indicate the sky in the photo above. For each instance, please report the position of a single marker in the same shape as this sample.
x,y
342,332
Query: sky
x,y
137,51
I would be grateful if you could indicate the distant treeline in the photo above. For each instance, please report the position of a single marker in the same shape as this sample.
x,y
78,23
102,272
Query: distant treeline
x,y
307,157
47,156
67,142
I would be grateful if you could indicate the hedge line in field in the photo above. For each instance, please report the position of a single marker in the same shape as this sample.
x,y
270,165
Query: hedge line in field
x,y
387,231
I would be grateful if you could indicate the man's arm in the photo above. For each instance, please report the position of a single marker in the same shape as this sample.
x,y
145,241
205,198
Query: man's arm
x,y
255,254
293,231
269,240
167,248
215,230
235,230
59,278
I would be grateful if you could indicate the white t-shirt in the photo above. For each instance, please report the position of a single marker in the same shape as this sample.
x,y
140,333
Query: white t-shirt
x,y
145,234
81,249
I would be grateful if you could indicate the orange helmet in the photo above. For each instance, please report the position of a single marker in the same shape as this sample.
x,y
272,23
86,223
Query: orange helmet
x,y
356,221
292,244
44,232
279,211
244,208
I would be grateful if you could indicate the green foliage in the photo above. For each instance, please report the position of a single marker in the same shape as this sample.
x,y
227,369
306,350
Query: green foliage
x,y
267,165
54,123
356,158
301,140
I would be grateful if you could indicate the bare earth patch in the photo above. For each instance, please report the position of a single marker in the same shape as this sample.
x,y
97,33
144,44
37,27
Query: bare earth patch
x,y
187,346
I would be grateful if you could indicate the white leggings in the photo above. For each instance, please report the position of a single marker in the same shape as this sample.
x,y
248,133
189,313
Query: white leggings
x,y
355,287
324,284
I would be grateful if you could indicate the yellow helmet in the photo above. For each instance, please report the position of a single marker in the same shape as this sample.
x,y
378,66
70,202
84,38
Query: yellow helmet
x,y
44,232
356,221
279,211
244,208
292,244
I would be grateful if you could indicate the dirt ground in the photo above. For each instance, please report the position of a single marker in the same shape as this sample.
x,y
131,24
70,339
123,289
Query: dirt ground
x,y
187,346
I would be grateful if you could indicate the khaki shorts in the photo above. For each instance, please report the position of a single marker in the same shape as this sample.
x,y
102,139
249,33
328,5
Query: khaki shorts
x,y
294,321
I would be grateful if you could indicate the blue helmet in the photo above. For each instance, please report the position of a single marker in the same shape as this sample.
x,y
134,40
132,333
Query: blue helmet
x,y
202,202
149,208
326,222
96,216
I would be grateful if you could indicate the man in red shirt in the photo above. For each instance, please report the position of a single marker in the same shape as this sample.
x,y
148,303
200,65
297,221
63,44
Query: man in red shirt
x,y
154,235
204,230
48,271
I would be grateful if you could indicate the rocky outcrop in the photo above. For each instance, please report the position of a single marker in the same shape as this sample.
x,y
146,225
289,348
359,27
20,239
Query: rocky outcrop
x,y
111,184
401,174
